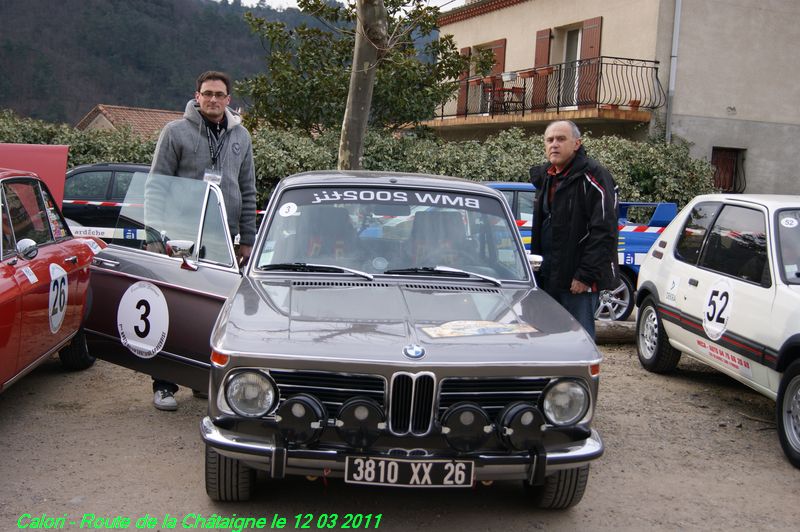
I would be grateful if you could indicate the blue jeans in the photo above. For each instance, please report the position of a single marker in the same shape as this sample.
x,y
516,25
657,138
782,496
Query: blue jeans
x,y
581,306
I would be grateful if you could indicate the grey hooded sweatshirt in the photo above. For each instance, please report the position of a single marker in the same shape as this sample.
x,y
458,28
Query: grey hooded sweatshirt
x,y
183,151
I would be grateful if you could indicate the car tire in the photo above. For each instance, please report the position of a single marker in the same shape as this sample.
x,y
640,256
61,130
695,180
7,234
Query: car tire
x,y
652,344
561,490
75,356
228,480
617,304
788,413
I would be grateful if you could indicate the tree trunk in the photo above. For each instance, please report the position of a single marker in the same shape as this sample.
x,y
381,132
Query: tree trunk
x,y
371,39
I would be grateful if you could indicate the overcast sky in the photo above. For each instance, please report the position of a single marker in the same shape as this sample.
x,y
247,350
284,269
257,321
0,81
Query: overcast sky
x,y
282,4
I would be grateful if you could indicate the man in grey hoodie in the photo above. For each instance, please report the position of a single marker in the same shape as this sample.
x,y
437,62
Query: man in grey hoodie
x,y
209,143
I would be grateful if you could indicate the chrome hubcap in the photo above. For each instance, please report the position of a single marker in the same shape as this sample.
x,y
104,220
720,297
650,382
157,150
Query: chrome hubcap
x,y
791,413
648,333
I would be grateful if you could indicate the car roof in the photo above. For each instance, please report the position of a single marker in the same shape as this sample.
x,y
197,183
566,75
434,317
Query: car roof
x,y
366,177
9,172
770,201
510,185
109,166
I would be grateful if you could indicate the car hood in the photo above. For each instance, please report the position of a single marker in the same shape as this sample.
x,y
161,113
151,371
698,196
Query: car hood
x,y
392,322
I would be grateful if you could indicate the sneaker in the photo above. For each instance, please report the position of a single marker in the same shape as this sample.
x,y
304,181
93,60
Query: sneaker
x,y
165,400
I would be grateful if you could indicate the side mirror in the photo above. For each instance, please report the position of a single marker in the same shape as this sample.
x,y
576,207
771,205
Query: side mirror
x,y
535,261
27,248
180,248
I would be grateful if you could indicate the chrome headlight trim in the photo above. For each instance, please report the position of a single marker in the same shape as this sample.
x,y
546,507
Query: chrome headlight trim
x,y
254,387
566,402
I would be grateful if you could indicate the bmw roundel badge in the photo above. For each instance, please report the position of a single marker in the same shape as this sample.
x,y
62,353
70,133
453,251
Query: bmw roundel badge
x,y
414,351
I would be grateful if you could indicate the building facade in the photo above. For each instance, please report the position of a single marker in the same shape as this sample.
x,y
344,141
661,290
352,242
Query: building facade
x,y
716,73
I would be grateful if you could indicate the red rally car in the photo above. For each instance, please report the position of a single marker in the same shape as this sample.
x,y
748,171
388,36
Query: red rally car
x,y
44,280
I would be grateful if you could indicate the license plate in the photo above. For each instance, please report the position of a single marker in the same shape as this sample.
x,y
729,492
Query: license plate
x,y
406,472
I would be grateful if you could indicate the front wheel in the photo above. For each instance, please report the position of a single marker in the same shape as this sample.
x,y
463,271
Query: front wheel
x,y
652,345
561,490
616,304
788,413
76,355
228,480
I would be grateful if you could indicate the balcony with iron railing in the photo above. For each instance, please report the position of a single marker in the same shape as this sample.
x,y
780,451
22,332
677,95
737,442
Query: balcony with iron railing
x,y
603,83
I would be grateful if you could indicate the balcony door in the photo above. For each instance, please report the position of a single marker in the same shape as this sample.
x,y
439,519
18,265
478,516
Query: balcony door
x,y
569,79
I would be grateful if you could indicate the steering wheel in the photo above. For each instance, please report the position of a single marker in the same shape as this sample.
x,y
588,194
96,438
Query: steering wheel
x,y
455,258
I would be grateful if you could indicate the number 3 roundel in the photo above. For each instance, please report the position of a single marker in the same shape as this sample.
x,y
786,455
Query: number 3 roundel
x,y
143,319
719,303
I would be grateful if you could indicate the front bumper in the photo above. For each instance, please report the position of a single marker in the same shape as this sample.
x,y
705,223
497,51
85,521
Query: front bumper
x,y
279,461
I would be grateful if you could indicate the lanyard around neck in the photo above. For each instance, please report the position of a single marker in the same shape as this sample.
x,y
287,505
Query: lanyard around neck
x,y
214,149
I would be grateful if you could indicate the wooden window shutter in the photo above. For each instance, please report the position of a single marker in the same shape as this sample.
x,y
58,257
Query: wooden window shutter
x,y
590,37
541,58
498,47
461,104
589,70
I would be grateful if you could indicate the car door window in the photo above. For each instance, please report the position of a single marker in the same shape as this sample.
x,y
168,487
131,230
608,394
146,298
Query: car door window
x,y
789,244
737,245
215,244
27,211
8,248
509,195
57,223
122,180
526,199
87,186
694,231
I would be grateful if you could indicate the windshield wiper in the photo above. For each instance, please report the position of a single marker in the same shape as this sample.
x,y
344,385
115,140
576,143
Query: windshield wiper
x,y
443,270
308,267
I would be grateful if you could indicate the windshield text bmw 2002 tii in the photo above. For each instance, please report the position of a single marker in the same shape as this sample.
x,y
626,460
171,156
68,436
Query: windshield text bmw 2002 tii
x,y
388,331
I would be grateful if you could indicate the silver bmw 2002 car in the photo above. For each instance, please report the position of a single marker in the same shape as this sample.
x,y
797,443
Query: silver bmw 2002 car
x,y
387,330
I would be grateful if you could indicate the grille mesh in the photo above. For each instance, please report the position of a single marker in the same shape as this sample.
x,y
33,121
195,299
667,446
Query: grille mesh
x,y
411,404
333,389
492,394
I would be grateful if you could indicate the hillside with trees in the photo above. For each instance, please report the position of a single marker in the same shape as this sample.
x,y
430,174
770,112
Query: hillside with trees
x,y
60,58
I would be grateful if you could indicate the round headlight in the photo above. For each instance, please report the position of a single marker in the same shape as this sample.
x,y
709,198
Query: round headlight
x,y
251,393
566,402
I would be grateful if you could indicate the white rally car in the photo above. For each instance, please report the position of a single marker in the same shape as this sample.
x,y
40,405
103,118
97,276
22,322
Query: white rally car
x,y
722,284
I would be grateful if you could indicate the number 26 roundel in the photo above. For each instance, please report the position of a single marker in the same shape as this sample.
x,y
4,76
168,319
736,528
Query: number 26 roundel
x,y
143,319
59,296
718,306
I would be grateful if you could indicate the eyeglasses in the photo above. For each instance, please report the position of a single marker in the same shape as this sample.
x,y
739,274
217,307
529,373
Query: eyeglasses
x,y
211,94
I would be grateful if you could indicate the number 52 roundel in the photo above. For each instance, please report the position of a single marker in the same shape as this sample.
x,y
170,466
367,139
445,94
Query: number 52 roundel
x,y
719,303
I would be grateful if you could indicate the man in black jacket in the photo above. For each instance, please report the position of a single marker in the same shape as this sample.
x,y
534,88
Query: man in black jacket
x,y
574,224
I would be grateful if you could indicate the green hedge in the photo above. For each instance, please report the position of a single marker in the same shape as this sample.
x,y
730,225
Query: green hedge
x,y
645,171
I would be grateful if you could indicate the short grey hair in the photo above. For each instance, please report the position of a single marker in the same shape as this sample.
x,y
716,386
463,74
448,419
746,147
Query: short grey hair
x,y
572,125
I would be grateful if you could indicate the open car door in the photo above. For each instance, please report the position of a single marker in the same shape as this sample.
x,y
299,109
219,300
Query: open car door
x,y
160,284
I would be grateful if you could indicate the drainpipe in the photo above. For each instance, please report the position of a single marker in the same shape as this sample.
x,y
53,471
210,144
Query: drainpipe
x,y
673,67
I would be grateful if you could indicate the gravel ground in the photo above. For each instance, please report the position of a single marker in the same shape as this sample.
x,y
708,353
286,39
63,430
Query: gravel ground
x,y
694,450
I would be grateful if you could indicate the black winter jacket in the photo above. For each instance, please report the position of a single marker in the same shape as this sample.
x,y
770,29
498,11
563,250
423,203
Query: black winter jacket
x,y
584,225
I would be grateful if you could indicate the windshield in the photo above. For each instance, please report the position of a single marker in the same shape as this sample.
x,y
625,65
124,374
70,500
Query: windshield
x,y
789,245
383,230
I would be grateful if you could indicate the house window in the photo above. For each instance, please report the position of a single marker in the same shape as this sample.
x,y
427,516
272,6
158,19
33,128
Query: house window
x,y
728,169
